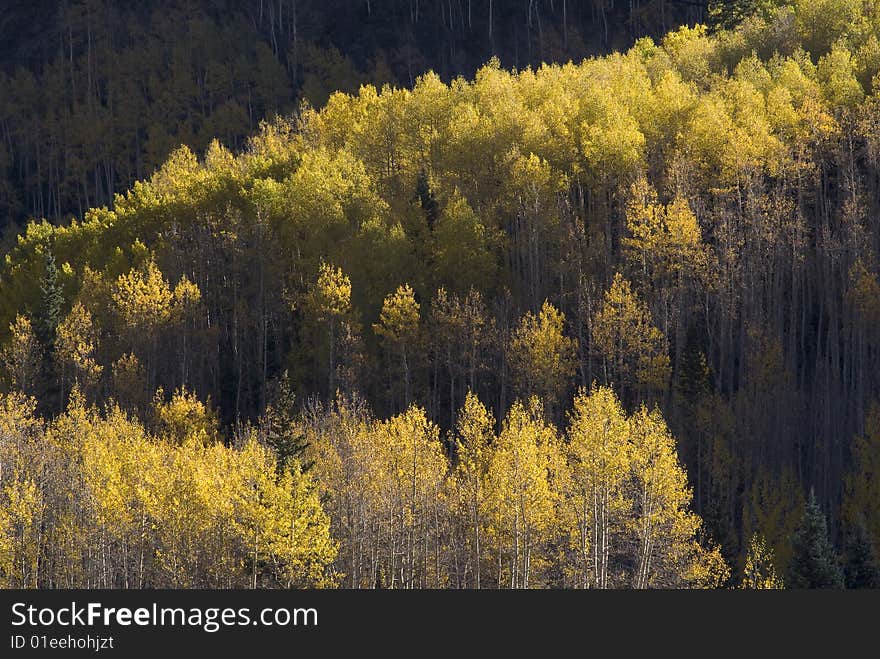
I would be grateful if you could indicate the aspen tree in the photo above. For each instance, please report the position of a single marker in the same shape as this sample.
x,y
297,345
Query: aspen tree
x,y
21,356
185,417
665,530
22,503
414,468
632,348
599,456
474,436
759,572
330,302
398,327
521,496
143,303
76,345
463,258
462,335
542,357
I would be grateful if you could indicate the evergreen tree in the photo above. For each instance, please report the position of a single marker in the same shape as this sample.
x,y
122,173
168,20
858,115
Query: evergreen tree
x,y
861,568
51,300
278,428
727,14
814,563
426,198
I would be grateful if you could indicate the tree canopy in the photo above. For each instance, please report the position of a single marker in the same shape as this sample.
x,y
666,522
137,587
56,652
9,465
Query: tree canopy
x,y
570,324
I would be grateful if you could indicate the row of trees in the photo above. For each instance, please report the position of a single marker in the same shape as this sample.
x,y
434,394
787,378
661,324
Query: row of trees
x,y
99,500
94,94
111,343
692,223
606,504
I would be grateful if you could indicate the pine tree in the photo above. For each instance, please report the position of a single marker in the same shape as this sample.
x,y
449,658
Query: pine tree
x,y
727,14
861,567
426,198
278,428
51,301
814,563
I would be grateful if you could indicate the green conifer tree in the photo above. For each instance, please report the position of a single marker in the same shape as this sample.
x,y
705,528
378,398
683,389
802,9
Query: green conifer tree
x,y
814,563
279,430
51,300
861,568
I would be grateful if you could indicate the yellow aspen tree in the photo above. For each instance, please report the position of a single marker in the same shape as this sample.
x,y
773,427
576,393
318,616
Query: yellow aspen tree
x,y
542,358
599,456
521,498
665,241
461,337
348,470
21,356
76,344
612,144
21,515
416,467
143,304
279,517
664,530
185,417
398,327
463,256
329,301
531,199
119,463
142,297
20,430
303,543
188,500
759,572
22,501
473,436
633,349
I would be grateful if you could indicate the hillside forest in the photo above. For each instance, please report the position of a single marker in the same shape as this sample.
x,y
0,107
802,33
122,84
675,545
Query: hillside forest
x,y
597,321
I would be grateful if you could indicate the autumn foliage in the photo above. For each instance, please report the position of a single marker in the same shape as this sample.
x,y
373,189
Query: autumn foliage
x,y
596,324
